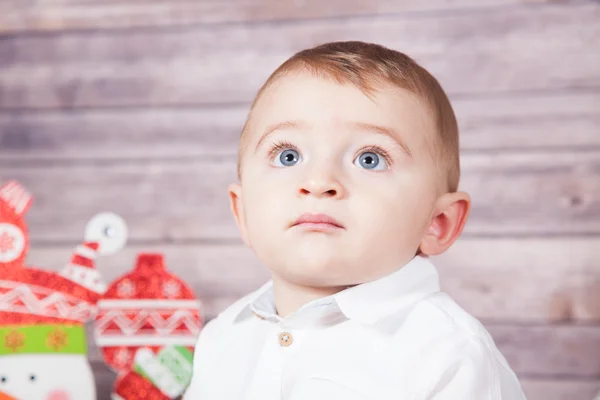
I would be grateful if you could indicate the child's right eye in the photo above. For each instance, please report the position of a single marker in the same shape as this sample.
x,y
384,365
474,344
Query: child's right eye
x,y
287,158
284,154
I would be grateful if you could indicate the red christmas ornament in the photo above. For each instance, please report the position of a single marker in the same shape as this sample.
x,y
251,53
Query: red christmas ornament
x,y
131,386
148,307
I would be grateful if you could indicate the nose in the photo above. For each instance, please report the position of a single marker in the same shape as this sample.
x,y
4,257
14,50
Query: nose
x,y
4,396
321,185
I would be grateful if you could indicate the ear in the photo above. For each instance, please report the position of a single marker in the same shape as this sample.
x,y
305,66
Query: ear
x,y
237,209
448,220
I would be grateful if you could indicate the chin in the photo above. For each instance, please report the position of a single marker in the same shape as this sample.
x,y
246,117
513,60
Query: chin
x,y
317,271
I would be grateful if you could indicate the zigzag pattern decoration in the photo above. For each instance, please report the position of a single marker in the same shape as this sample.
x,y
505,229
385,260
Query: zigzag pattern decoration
x,y
36,300
163,326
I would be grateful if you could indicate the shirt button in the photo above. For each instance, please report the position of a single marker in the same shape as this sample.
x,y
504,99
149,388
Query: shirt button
x,y
285,339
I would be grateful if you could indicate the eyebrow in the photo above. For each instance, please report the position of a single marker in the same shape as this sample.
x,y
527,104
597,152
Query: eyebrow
x,y
382,130
285,125
357,125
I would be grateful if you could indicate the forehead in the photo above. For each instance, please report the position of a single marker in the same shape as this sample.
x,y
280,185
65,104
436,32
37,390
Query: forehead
x,y
325,103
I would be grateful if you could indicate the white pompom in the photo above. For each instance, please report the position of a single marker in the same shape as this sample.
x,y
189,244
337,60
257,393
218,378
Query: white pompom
x,y
109,230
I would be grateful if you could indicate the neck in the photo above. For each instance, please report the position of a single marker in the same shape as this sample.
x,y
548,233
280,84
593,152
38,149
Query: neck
x,y
290,297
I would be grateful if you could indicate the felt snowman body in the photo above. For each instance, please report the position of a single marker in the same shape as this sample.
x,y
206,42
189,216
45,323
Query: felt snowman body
x,y
43,346
40,376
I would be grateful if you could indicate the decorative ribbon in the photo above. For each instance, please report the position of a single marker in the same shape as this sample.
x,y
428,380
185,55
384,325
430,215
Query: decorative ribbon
x,y
42,339
170,370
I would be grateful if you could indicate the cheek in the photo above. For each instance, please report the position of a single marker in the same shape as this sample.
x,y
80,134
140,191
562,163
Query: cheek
x,y
59,394
390,217
269,195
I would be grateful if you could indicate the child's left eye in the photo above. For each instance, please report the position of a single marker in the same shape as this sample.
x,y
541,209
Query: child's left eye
x,y
371,161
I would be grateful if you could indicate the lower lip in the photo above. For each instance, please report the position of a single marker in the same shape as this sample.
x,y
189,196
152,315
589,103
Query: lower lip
x,y
318,226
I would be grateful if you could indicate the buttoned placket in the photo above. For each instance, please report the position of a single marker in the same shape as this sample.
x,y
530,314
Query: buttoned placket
x,y
281,343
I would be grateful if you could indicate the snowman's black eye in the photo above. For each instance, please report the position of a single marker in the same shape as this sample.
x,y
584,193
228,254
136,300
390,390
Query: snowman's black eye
x,y
109,231
32,378
3,379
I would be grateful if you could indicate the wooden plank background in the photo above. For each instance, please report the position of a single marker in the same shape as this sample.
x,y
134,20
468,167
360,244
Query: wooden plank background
x,y
136,107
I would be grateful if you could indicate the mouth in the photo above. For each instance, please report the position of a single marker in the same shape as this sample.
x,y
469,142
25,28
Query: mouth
x,y
317,222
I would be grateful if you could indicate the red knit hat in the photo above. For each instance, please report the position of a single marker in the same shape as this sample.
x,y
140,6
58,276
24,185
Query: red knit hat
x,y
14,203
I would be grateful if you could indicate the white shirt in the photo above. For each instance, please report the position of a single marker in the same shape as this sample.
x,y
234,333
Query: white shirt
x,y
398,337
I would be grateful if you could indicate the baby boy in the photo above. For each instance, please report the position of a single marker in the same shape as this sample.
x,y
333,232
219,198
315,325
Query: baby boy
x,y
348,183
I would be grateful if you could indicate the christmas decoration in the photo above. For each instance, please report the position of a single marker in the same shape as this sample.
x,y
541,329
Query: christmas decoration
x,y
42,338
14,202
147,325
165,375
170,370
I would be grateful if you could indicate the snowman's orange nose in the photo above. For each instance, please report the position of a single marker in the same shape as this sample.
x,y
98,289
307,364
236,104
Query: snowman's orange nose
x,y
4,396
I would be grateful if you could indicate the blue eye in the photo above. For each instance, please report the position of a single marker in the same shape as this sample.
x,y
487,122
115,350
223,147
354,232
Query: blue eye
x,y
370,160
287,158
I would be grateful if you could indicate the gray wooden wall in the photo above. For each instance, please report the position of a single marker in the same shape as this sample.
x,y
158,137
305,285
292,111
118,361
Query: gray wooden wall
x,y
136,107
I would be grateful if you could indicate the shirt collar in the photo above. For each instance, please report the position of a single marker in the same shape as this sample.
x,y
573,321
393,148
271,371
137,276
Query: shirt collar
x,y
371,301
259,303
367,302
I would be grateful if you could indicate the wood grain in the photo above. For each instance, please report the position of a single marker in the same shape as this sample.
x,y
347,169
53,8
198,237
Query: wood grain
x,y
558,351
549,389
505,50
513,194
535,388
84,14
520,122
540,280
105,380
552,279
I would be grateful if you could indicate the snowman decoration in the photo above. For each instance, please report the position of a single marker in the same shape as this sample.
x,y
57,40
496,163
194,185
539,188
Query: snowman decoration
x,y
43,349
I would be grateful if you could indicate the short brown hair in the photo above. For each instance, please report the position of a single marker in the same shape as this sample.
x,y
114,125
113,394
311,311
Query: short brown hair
x,y
369,66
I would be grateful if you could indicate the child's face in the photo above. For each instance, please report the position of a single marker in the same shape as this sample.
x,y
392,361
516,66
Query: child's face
x,y
328,156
